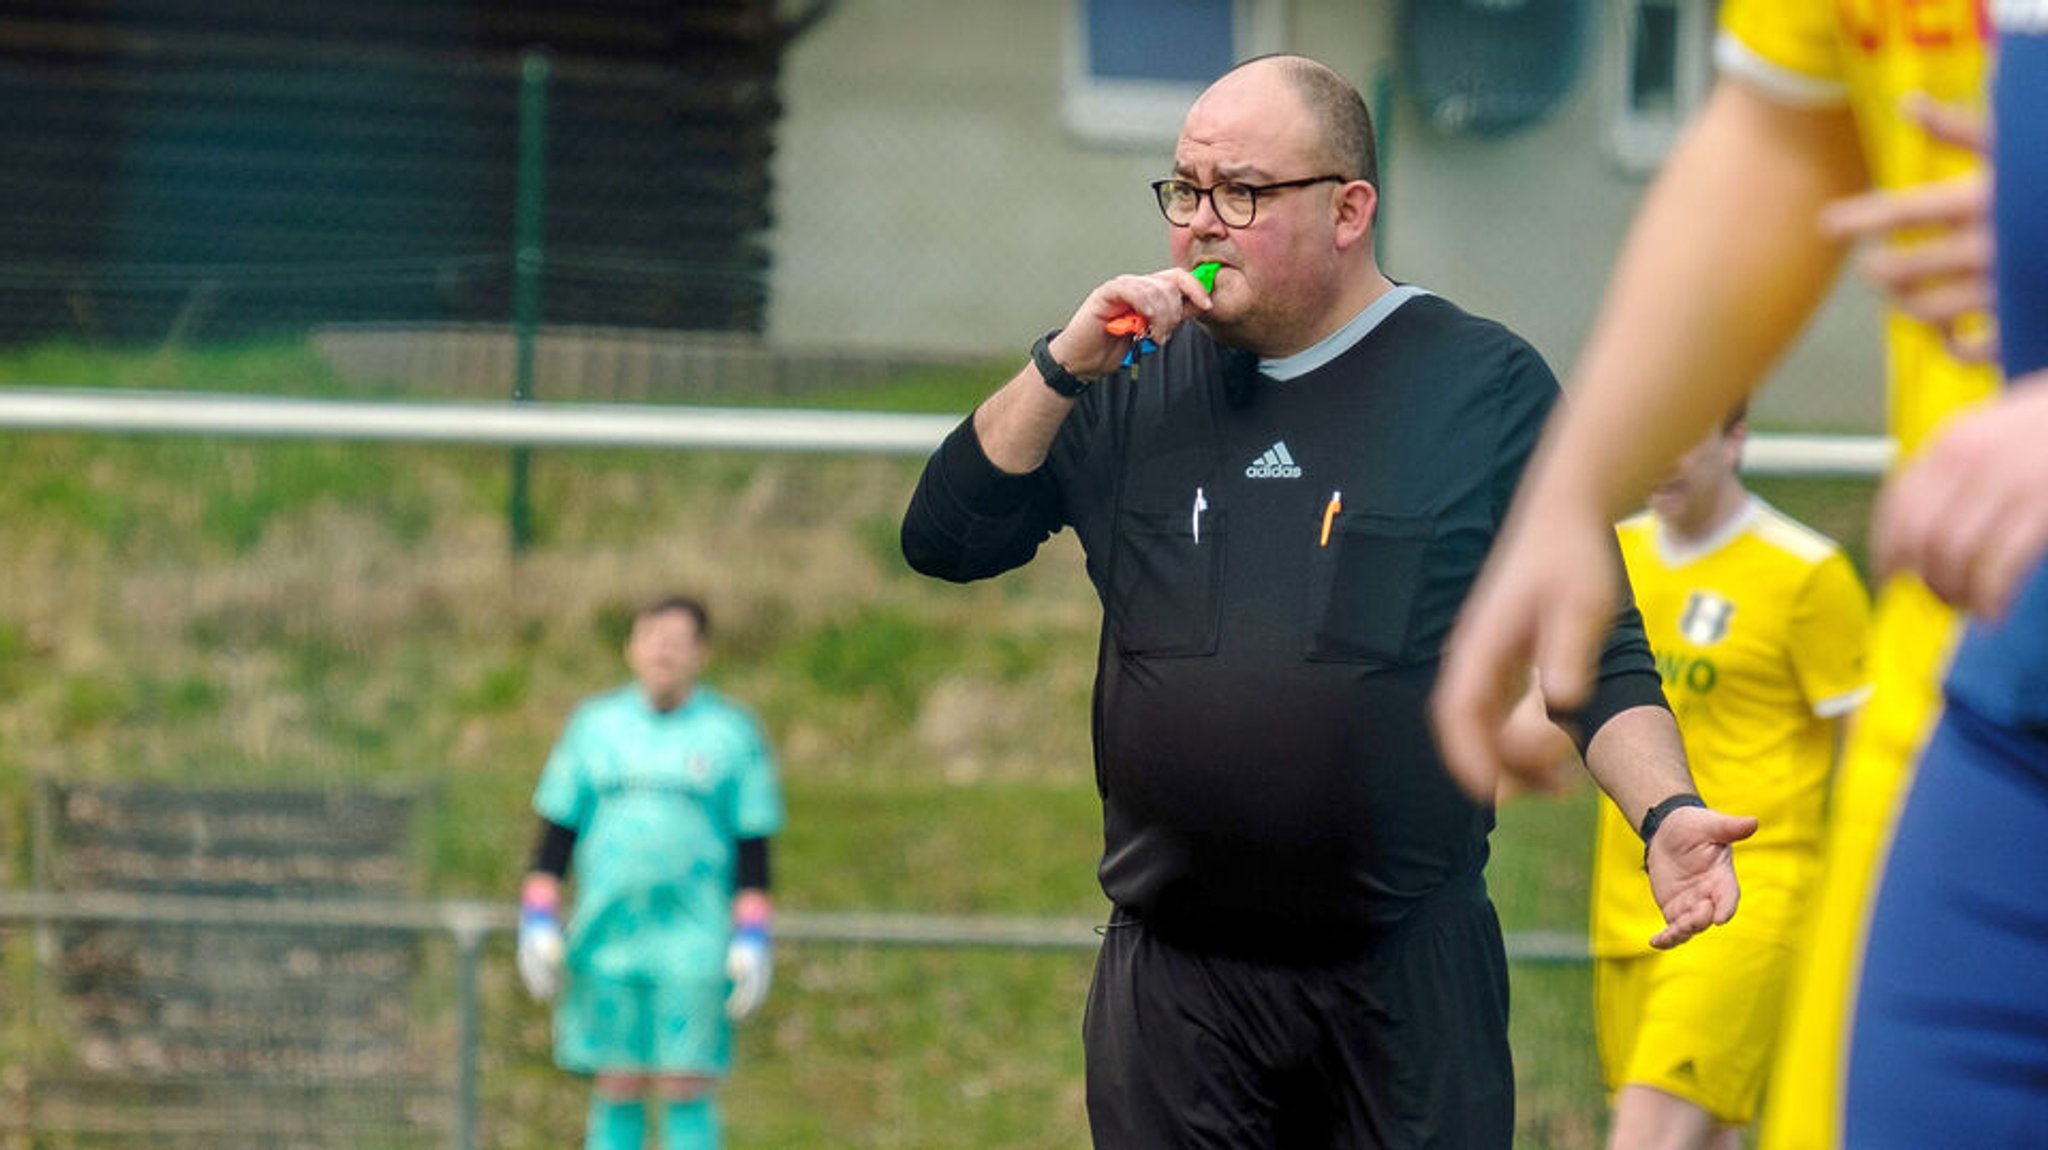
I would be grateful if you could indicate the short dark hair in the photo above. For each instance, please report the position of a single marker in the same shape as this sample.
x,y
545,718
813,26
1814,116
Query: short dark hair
x,y
683,603
1340,114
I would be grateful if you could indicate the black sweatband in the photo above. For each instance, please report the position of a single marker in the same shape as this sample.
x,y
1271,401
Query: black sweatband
x,y
552,850
753,865
1613,693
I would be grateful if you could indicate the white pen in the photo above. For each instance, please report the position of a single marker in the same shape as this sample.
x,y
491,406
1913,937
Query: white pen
x,y
1201,505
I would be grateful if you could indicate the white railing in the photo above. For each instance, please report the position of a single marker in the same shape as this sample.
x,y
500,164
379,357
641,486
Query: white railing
x,y
642,425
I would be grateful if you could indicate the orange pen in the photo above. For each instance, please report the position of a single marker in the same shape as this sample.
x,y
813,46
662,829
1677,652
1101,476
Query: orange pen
x,y
1330,511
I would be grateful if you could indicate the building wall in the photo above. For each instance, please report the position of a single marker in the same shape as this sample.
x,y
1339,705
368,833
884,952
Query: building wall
x,y
929,197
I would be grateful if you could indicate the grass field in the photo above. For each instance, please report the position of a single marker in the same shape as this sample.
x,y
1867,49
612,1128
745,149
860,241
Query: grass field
x,y
217,611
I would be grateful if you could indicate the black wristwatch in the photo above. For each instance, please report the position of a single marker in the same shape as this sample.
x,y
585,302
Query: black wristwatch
x,y
1049,369
1655,816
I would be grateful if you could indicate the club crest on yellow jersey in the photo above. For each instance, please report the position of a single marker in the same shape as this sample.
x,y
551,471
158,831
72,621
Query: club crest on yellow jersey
x,y
1704,622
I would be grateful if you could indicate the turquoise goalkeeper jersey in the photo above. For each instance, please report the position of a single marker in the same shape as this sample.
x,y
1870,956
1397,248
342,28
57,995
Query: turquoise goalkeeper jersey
x,y
658,802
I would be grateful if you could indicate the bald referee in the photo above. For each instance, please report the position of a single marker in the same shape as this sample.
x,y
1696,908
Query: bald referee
x,y
1282,509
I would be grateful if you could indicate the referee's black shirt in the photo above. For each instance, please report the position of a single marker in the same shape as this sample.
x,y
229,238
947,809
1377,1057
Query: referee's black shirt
x,y
1268,776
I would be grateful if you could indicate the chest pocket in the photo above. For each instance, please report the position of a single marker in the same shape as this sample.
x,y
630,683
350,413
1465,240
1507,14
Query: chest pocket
x,y
1364,588
1165,587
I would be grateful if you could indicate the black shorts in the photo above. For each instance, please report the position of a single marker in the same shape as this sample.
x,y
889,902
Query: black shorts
x,y
1403,1045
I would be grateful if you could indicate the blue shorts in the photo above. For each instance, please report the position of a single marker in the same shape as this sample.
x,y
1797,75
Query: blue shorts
x,y
1949,1044
642,1027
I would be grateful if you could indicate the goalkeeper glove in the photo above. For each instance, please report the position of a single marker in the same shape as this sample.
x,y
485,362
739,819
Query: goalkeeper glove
x,y
540,946
750,964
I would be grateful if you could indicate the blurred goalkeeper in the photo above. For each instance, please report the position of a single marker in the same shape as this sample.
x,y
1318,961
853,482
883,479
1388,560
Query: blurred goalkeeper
x,y
663,795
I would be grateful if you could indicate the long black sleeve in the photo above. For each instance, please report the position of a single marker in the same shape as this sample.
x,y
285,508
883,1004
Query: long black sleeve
x,y
1628,671
968,519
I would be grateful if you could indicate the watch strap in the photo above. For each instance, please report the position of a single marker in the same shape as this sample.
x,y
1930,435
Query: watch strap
x,y
1052,372
1655,816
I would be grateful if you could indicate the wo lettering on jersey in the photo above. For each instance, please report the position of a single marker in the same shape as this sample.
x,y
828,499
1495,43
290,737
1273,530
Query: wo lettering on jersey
x,y
1925,24
1696,673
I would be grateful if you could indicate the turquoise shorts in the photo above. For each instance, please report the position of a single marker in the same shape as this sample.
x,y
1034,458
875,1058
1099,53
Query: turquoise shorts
x,y
641,1027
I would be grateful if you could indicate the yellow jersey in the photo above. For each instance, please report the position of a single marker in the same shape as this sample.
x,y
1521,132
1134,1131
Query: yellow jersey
x,y
1869,55
1759,633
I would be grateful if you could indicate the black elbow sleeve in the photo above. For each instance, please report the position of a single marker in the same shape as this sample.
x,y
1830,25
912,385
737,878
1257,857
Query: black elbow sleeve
x,y
753,865
552,849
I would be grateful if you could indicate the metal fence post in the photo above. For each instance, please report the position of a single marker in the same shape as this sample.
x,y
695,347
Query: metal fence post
x,y
469,924
528,245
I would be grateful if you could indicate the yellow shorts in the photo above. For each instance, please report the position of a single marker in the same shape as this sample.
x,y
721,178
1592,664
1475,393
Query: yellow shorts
x,y
1699,1021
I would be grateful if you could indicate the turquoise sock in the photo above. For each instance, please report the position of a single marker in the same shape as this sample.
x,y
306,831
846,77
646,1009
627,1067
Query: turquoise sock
x,y
691,1125
615,1124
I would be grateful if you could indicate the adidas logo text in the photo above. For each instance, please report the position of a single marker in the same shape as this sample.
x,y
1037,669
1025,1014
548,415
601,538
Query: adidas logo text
x,y
1276,463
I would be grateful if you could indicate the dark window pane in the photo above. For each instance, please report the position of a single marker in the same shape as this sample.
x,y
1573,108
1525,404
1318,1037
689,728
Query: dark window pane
x,y
1185,41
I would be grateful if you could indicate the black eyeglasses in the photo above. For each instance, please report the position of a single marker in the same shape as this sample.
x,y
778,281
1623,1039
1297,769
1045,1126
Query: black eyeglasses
x,y
1236,204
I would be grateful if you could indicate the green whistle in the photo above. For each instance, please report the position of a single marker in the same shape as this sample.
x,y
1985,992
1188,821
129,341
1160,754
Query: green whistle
x,y
1207,274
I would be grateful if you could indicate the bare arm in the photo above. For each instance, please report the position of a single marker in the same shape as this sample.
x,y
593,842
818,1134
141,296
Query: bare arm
x,y
1967,515
1017,424
1639,760
1722,267
1928,247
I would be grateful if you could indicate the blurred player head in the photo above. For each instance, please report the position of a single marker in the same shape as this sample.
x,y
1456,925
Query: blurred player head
x,y
667,648
1704,488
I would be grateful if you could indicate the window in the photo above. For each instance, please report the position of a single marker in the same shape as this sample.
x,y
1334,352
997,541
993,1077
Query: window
x,y
1134,66
1658,70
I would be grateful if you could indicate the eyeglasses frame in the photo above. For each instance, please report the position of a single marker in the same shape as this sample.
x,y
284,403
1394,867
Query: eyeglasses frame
x,y
1159,194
